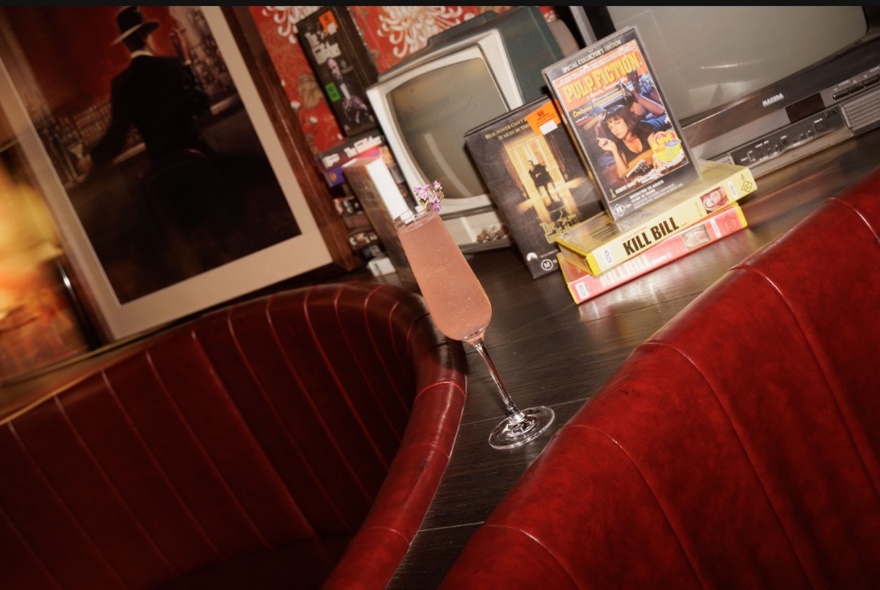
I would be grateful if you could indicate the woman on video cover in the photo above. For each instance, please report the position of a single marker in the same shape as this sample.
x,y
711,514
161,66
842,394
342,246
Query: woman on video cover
x,y
643,100
626,138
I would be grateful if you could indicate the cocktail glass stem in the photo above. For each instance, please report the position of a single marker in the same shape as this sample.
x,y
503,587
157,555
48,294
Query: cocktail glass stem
x,y
509,404
520,426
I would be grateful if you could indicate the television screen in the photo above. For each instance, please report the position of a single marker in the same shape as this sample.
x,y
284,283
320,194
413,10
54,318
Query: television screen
x,y
433,130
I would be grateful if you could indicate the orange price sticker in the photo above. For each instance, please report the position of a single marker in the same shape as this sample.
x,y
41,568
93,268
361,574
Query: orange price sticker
x,y
328,22
544,119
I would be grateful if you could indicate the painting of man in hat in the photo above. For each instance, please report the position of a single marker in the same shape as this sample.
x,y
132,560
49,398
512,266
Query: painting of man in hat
x,y
185,204
172,183
155,94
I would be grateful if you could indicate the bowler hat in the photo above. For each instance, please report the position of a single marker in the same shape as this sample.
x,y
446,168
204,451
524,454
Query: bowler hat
x,y
130,20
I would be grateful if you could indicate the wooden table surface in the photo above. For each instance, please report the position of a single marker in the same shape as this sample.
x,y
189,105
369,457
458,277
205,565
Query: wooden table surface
x,y
551,351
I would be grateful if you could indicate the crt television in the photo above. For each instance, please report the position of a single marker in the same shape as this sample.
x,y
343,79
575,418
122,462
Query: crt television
x,y
463,78
761,86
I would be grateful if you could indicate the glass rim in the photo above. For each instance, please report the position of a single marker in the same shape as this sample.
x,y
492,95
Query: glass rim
x,y
410,216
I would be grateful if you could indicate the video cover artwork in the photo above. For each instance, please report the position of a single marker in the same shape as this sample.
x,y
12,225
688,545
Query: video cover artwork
x,y
330,162
619,119
535,177
342,64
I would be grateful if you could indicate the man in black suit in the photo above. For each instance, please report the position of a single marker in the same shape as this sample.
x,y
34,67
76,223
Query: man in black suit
x,y
156,94
185,194
542,179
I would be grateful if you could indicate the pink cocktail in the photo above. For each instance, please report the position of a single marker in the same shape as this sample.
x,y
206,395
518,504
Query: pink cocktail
x,y
453,293
462,311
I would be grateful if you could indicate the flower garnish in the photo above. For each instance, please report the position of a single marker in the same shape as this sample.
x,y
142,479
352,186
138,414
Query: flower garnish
x,y
429,195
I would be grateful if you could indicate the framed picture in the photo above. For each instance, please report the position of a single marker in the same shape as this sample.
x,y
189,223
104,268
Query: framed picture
x,y
158,227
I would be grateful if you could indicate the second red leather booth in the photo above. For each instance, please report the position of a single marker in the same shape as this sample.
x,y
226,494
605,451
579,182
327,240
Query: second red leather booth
x,y
739,447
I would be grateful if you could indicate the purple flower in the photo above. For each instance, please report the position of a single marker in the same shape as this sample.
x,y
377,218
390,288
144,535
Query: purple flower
x,y
429,195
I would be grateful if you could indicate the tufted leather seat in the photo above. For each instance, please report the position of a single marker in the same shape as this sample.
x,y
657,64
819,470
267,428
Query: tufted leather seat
x,y
739,447
291,441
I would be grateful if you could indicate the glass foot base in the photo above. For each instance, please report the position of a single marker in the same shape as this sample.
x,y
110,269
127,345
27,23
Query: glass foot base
x,y
521,428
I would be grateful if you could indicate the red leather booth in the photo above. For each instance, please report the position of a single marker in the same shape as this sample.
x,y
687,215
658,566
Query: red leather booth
x,y
293,441
739,447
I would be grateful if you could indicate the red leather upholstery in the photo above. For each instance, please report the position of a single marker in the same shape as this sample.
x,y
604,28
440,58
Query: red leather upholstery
x,y
286,442
737,448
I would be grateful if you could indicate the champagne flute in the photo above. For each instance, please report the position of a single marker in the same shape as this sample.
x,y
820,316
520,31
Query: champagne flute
x,y
462,311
